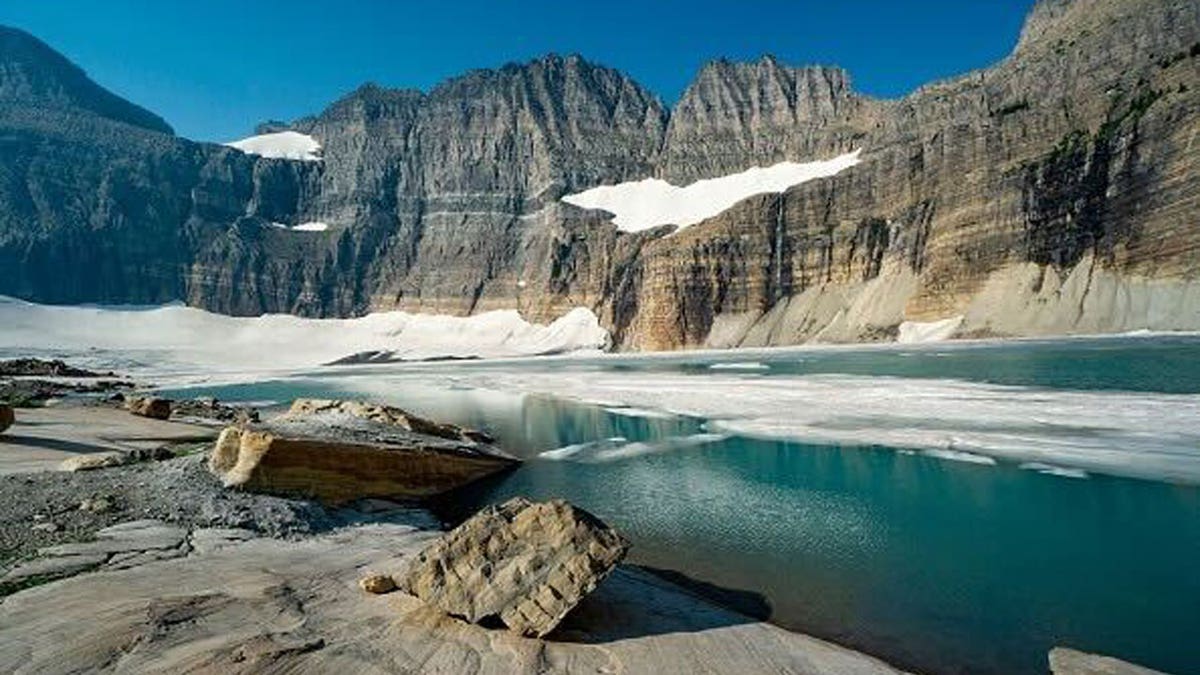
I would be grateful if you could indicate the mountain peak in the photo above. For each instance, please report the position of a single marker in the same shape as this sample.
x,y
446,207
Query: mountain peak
x,y
34,74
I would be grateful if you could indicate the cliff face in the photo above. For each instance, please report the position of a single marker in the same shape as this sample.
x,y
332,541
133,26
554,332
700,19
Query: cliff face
x,y
1051,193
996,196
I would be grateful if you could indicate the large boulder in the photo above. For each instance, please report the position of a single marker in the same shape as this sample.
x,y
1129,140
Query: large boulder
x,y
339,452
1064,661
7,417
526,564
149,406
384,414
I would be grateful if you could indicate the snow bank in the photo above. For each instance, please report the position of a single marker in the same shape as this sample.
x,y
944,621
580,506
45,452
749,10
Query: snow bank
x,y
314,226
914,332
281,145
641,205
1143,435
175,338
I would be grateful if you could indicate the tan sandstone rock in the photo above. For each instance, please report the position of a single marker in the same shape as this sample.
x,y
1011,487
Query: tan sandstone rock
x,y
342,451
527,564
1064,661
7,417
93,461
149,406
377,584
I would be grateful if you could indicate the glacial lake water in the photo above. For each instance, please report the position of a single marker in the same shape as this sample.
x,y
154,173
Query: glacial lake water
x,y
970,557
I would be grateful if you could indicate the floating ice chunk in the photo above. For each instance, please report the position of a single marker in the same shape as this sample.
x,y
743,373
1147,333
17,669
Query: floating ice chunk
x,y
960,456
740,365
1051,470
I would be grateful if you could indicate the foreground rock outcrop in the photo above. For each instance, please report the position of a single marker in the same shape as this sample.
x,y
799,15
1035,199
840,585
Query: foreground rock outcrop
x,y
338,451
253,605
1064,661
524,564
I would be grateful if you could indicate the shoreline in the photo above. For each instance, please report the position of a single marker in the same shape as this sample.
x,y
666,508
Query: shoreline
x,y
643,618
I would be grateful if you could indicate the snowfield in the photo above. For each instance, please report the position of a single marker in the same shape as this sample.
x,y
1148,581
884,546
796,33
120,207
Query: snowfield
x,y
175,338
281,145
641,205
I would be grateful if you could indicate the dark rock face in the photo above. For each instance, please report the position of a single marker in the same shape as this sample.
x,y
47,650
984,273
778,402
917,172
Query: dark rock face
x,y
33,74
1070,154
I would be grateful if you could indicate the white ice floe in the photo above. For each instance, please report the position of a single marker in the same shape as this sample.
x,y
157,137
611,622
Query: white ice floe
x,y
647,413
740,365
281,145
641,205
960,456
915,332
614,449
1145,435
174,336
1051,470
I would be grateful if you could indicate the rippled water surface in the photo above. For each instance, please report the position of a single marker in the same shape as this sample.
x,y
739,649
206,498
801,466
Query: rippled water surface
x,y
955,508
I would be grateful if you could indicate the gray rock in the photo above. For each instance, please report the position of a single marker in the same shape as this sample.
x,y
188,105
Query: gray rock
x,y
1064,661
522,563
142,535
209,539
55,566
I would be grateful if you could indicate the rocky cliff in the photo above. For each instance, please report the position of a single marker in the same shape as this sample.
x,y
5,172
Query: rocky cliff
x,y
1051,193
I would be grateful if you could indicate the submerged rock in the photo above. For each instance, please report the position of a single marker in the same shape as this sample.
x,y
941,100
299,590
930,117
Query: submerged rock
x,y
7,417
149,406
1065,661
339,452
525,564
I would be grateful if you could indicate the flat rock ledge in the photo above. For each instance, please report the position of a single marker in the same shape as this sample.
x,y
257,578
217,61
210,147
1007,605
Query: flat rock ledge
x,y
524,564
1065,661
122,546
338,451
268,605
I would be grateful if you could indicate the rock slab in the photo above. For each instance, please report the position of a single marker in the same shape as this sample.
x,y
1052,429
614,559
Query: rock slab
x,y
338,452
1065,661
526,564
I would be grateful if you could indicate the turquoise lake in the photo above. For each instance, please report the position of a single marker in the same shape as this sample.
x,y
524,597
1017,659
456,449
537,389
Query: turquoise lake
x,y
974,561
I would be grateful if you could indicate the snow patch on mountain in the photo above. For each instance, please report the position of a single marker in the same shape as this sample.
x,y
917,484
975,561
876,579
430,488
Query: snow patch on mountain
x,y
641,205
281,145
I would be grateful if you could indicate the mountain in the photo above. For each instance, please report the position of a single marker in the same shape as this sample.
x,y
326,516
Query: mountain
x,y
1051,193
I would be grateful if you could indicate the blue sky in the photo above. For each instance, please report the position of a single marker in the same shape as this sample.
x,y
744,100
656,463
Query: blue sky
x,y
215,68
